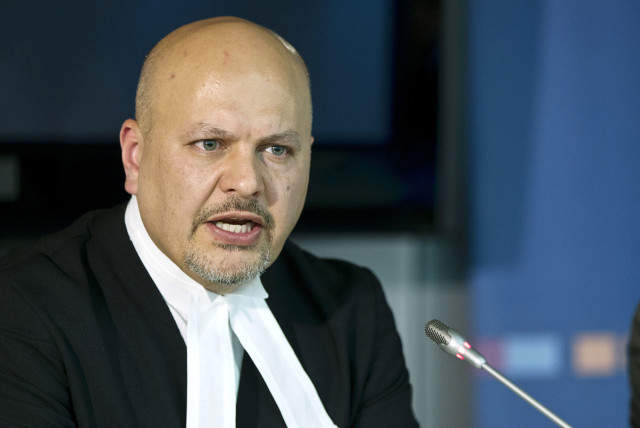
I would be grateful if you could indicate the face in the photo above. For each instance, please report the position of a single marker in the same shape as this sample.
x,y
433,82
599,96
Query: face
x,y
222,175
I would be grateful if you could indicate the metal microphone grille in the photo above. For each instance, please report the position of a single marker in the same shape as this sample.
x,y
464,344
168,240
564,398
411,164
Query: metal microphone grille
x,y
438,332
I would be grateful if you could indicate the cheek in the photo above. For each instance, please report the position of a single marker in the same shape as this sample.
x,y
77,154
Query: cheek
x,y
182,181
174,190
294,193
297,192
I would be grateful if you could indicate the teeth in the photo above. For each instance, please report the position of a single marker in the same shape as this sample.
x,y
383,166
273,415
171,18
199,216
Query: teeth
x,y
235,228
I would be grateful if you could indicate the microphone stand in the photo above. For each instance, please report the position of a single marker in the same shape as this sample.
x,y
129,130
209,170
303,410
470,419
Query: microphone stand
x,y
529,399
451,342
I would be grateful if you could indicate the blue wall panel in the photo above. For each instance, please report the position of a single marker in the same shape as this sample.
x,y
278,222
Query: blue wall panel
x,y
554,119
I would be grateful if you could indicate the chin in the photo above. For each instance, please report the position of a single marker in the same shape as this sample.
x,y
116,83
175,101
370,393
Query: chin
x,y
231,268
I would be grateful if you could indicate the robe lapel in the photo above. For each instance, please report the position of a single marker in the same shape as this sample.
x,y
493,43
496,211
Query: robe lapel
x,y
144,339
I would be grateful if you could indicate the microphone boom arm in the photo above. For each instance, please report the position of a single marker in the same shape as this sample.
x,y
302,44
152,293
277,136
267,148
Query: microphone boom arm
x,y
451,342
526,397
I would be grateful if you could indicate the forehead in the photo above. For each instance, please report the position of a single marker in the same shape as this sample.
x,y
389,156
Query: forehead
x,y
255,74
238,102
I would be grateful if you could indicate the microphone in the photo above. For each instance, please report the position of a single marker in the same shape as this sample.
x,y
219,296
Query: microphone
x,y
452,342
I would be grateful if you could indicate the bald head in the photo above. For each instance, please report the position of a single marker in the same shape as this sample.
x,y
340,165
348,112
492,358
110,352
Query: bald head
x,y
222,141
226,47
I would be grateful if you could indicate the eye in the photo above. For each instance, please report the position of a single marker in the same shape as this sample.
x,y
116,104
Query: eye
x,y
277,150
208,145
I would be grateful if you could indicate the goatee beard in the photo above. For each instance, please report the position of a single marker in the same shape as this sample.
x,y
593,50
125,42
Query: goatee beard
x,y
217,271
229,276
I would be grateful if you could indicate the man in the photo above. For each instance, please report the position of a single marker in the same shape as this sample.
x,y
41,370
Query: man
x,y
155,315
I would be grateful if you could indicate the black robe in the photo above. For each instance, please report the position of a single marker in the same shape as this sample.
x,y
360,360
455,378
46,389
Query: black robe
x,y
87,340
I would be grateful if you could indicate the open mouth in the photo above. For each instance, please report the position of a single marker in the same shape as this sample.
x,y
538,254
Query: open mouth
x,y
235,226
242,228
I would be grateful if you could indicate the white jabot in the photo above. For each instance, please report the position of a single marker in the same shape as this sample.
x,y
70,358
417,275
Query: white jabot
x,y
216,328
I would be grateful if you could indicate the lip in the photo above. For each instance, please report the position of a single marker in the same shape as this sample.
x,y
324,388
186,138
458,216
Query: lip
x,y
246,239
242,216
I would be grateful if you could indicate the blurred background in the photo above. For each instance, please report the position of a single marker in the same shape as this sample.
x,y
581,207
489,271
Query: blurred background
x,y
481,156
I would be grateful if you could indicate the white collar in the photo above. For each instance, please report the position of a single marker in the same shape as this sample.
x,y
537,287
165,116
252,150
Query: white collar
x,y
213,348
176,287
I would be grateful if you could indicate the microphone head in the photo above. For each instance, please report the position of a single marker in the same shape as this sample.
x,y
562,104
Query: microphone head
x,y
451,342
438,332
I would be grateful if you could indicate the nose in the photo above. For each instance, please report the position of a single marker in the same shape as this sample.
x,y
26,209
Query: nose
x,y
242,174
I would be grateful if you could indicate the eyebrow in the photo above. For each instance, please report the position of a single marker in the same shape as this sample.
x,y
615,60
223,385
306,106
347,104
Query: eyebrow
x,y
290,137
203,130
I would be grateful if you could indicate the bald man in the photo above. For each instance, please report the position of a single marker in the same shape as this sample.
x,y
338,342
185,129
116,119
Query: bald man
x,y
188,306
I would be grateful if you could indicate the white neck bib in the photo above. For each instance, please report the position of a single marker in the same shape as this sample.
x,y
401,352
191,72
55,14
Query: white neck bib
x,y
215,329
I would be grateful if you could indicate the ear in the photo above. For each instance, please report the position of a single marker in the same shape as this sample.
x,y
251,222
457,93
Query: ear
x,y
130,143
